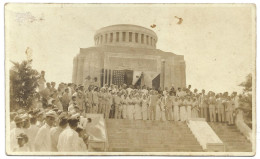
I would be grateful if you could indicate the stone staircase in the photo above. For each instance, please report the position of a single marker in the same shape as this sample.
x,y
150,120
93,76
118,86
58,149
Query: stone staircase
x,y
150,136
234,140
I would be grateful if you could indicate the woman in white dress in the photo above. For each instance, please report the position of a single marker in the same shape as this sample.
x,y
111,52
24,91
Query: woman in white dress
x,y
131,107
176,110
158,109
195,108
144,107
124,104
138,108
163,109
127,100
189,103
183,111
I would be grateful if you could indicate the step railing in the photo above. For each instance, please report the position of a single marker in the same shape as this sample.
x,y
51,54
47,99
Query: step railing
x,y
242,126
205,135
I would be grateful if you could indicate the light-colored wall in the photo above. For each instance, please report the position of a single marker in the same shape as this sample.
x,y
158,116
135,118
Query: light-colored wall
x,y
91,61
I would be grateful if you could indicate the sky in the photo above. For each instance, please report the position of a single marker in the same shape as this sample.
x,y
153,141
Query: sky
x,y
217,41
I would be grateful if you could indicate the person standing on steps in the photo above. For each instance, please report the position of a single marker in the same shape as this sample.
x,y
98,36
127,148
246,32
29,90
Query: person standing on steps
x,y
230,107
212,107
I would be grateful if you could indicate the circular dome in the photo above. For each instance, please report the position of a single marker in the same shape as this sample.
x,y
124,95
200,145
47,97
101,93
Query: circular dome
x,y
126,35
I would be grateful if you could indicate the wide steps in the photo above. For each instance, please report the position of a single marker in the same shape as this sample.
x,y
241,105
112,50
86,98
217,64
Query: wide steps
x,y
233,140
150,136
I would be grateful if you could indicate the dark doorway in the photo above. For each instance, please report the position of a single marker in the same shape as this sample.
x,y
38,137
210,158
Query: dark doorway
x,y
129,77
156,82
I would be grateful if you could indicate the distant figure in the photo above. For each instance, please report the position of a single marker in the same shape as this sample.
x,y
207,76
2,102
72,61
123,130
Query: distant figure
x,y
212,107
42,81
152,103
220,108
87,81
65,100
176,106
195,108
230,107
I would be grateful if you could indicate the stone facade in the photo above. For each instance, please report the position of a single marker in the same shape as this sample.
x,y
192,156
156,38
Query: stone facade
x,y
128,47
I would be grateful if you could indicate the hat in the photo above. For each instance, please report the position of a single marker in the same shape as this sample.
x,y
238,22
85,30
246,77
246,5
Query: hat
x,y
73,119
55,108
21,136
40,113
30,112
75,116
31,116
35,111
13,114
50,101
18,119
72,112
51,113
75,106
80,127
85,136
24,116
59,111
80,92
20,111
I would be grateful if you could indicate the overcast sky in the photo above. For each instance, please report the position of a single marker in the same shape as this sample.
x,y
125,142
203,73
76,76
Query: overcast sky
x,y
217,41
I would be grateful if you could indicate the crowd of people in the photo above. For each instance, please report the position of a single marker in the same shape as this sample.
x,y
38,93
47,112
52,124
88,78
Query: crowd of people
x,y
52,122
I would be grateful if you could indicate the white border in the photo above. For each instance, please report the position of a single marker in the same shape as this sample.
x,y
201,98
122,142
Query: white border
x,y
2,77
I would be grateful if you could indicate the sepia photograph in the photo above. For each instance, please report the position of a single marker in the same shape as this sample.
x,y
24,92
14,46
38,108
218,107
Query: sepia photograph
x,y
130,79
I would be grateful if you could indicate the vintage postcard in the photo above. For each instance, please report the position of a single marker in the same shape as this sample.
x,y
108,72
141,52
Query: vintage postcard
x,y
130,79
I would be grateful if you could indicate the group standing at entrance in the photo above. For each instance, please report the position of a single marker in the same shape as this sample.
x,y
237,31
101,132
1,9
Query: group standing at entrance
x,y
126,102
52,121
148,104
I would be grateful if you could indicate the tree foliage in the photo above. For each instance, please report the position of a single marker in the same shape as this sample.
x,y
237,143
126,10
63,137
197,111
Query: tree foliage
x,y
23,84
246,99
247,84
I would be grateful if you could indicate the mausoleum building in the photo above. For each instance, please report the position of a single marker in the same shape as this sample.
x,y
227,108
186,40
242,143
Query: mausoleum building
x,y
127,54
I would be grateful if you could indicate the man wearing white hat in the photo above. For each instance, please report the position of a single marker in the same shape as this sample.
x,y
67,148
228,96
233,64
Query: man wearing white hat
x,y
43,137
26,125
15,132
40,118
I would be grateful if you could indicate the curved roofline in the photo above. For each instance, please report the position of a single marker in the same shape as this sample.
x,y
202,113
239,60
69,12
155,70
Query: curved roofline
x,y
138,26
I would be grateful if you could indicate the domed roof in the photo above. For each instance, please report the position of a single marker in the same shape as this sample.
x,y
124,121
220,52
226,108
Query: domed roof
x,y
126,35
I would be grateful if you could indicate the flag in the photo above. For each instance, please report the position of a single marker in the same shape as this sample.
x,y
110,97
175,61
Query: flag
x,y
118,77
136,76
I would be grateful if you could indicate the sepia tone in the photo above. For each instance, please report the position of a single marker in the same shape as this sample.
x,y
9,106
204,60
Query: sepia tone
x,y
133,48
125,95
